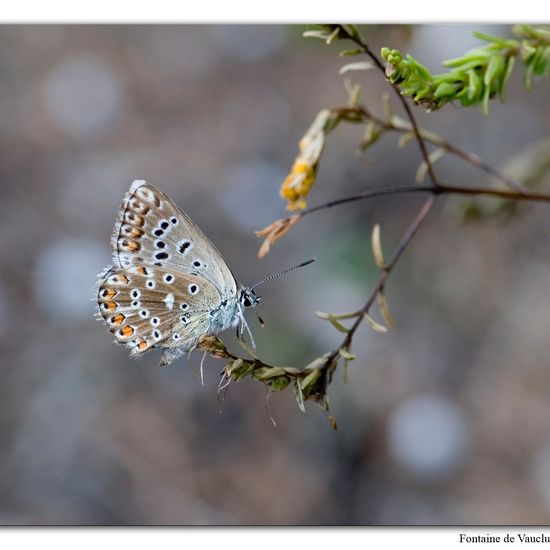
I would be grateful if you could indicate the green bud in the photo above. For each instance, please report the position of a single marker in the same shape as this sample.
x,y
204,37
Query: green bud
x,y
423,93
475,86
541,61
445,90
495,70
279,383
474,56
527,51
309,381
419,68
490,38
509,66
350,53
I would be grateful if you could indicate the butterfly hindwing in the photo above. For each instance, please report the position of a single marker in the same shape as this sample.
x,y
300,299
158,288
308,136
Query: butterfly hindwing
x,y
152,230
151,306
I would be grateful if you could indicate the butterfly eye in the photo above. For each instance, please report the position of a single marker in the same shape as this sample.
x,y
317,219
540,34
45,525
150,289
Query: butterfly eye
x,y
247,302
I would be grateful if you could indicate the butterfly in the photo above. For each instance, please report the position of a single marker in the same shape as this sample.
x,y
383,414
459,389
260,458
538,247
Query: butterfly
x,y
168,285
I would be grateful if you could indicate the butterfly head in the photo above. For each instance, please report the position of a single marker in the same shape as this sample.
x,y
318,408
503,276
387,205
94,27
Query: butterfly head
x,y
248,298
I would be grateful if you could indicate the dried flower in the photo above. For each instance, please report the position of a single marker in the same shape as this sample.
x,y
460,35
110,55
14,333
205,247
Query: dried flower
x,y
214,346
297,184
274,231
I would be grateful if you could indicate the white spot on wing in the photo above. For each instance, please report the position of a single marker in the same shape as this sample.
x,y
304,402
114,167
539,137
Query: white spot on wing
x,y
169,300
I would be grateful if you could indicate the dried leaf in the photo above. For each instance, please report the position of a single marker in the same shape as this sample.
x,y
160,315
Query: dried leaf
x,y
317,363
273,372
377,248
299,396
374,324
357,66
434,156
371,134
385,310
346,354
275,231
292,370
405,138
333,35
354,96
337,325
346,315
387,106
323,35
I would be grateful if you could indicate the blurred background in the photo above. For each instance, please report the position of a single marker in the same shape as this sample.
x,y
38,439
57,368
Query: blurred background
x,y
444,420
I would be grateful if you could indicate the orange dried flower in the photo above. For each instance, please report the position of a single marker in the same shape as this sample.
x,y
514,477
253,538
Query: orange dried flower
x,y
274,231
297,185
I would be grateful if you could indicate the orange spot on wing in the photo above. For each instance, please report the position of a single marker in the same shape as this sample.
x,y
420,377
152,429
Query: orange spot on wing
x,y
117,319
142,270
123,278
142,345
136,232
126,331
110,306
132,246
109,293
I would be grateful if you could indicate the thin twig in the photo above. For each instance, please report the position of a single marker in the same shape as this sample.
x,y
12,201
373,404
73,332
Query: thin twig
x,y
433,138
420,140
369,195
404,127
401,247
442,189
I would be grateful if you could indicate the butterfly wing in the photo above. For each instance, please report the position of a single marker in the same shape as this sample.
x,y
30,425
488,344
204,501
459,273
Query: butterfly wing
x,y
154,307
152,230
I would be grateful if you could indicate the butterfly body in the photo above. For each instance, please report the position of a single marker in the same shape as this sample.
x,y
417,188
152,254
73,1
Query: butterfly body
x,y
168,285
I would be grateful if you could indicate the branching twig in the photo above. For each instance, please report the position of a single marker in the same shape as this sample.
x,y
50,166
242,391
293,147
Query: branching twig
x,y
397,124
312,381
357,40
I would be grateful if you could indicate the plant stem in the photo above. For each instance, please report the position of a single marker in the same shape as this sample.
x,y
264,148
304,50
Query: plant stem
x,y
401,247
420,140
400,125
442,189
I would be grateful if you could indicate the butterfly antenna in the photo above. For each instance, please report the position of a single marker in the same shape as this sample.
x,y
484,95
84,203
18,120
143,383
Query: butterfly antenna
x,y
303,264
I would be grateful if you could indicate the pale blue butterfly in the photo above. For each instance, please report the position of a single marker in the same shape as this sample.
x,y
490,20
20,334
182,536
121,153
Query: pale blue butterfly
x,y
168,285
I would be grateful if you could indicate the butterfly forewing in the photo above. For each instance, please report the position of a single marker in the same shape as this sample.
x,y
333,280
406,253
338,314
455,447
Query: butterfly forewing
x,y
152,230
151,306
